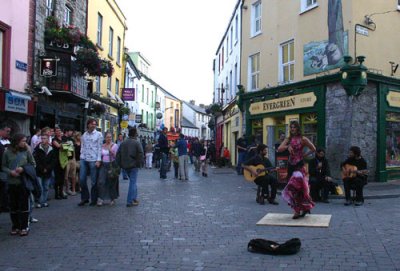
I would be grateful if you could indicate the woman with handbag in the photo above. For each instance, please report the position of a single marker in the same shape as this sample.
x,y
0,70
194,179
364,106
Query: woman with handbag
x,y
14,159
109,172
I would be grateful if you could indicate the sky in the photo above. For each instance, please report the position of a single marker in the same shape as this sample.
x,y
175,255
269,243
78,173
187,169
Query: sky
x,y
179,38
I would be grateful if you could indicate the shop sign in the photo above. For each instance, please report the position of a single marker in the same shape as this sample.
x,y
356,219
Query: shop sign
x,y
393,99
16,104
128,94
283,104
138,118
124,124
48,67
21,65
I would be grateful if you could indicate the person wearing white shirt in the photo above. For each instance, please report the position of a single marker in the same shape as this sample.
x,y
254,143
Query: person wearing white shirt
x,y
36,139
91,143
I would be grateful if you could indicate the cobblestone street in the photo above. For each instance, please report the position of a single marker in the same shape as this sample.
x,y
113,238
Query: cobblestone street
x,y
203,224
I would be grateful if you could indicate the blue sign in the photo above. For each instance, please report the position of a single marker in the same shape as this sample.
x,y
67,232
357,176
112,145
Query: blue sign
x,y
21,66
16,104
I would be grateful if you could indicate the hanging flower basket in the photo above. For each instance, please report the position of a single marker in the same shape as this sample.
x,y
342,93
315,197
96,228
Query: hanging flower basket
x,y
124,110
98,109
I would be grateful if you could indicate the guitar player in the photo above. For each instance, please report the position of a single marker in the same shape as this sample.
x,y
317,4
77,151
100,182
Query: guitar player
x,y
355,177
262,181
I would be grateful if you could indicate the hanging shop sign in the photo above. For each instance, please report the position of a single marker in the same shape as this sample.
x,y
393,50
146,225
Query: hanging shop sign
x,y
283,104
128,94
48,67
393,98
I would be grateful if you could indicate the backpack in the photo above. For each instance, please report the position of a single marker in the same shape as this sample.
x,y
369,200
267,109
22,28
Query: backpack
x,y
263,246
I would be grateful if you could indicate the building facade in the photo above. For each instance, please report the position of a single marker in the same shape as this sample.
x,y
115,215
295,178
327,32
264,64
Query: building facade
x,y
17,107
197,115
292,73
227,65
106,28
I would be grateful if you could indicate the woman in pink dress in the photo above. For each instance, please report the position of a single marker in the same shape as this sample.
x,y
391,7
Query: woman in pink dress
x,y
297,192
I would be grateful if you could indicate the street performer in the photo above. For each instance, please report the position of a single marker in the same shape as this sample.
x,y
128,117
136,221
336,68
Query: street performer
x,y
262,180
354,175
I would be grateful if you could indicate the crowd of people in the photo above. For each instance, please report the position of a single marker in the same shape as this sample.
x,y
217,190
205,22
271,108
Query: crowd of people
x,y
63,160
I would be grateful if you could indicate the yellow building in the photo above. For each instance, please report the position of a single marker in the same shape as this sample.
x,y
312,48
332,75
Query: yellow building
x,y
291,60
173,112
106,28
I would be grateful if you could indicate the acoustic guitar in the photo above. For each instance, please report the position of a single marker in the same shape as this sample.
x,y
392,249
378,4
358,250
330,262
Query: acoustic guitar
x,y
350,171
260,169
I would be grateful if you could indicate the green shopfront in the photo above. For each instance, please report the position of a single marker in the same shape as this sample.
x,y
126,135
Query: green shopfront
x,y
332,119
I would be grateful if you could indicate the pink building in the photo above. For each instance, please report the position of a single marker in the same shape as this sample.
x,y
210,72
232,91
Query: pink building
x,y
16,52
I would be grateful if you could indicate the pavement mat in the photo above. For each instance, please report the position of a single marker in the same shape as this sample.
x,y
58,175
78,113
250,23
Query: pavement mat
x,y
277,219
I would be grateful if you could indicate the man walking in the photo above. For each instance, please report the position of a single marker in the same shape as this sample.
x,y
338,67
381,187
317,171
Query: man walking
x,y
4,134
164,151
183,158
130,158
91,143
241,145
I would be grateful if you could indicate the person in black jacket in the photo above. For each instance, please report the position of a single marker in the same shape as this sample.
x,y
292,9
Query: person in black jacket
x,y
262,181
320,180
45,161
164,152
357,178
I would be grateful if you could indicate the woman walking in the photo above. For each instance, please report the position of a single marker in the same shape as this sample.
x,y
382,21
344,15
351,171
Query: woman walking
x,y
108,180
14,159
297,191
148,149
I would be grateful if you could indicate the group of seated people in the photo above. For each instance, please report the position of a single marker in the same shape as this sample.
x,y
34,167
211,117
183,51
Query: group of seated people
x,y
354,176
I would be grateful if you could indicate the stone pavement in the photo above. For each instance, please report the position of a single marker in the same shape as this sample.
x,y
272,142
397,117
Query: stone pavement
x,y
203,224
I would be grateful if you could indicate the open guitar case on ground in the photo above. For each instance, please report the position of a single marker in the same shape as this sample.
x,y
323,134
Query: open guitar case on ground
x,y
263,246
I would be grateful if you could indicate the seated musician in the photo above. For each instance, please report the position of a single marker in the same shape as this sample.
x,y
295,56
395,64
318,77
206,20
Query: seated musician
x,y
354,171
262,181
320,180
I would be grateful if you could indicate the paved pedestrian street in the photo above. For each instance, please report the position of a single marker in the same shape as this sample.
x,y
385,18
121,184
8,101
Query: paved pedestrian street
x,y
203,224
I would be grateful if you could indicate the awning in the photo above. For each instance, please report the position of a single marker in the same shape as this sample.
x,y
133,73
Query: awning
x,y
119,100
112,96
20,95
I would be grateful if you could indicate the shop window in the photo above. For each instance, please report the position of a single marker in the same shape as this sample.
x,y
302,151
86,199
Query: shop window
x,y
309,126
392,140
63,78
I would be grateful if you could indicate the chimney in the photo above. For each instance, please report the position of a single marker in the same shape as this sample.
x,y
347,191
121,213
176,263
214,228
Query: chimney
x,y
192,102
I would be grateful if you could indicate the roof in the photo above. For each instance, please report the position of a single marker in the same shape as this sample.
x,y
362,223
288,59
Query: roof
x,y
187,124
196,108
133,66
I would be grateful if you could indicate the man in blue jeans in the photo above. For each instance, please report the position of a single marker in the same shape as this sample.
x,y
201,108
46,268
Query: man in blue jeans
x,y
130,157
91,143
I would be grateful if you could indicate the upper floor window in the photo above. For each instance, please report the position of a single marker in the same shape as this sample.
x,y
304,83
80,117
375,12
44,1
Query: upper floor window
x,y
99,29
308,4
118,50
110,42
1,58
117,86
254,71
98,84
287,62
108,86
49,7
142,93
228,44
256,18
231,45
236,28
67,16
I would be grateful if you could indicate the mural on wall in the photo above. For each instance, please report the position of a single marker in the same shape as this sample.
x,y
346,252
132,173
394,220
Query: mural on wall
x,y
326,55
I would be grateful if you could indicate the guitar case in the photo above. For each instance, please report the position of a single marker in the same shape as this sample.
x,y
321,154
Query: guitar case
x,y
263,246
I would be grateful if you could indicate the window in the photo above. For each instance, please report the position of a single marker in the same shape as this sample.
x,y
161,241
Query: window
x,y
147,95
256,19
117,86
98,78
231,87
49,7
108,86
236,28
392,139
308,4
142,93
254,65
287,62
231,44
235,79
110,42
222,58
118,50
99,29
151,121
227,47
227,88
1,58
67,16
